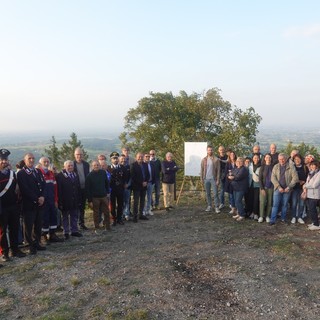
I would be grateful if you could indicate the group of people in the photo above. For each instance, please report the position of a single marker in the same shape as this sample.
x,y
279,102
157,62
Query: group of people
x,y
36,200
263,187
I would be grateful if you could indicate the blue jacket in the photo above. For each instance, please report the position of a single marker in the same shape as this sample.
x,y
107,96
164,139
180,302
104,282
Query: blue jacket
x,y
169,169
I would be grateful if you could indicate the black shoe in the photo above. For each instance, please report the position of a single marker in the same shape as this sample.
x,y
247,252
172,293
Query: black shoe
x,y
17,253
66,236
59,229
114,223
83,227
120,222
76,234
171,207
5,258
1,265
167,209
54,238
272,223
142,217
135,219
40,248
33,250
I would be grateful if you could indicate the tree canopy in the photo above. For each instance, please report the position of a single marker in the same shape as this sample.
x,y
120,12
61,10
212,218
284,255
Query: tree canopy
x,y
66,152
164,122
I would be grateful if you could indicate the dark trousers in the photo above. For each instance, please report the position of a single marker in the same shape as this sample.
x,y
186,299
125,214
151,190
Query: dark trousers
x,y
117,203
49,217
32,219
139,197
82,206
10,218
312,206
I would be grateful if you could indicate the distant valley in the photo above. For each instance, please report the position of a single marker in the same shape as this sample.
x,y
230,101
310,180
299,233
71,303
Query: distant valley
x,y
106,142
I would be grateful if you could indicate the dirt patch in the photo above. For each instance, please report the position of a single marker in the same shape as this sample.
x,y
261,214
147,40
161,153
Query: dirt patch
x,y
183,264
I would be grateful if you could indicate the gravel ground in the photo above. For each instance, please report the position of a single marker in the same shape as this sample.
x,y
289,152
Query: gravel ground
x,y
182,264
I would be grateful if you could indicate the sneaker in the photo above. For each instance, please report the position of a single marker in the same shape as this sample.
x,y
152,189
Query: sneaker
x,y
221,206
167,209
313,228
240,218
301,221
208,209
150,213
251,216
217,210
267,219
310,225
260,220
128,218
293,220
236,216
255,217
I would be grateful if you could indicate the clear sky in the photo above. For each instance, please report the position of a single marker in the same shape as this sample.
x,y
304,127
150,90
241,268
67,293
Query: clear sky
x,y
74,65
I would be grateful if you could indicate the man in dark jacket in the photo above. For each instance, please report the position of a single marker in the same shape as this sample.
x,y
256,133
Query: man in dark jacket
x,y
117,177
10,213
169,169
139,181
69,199
98,194
157,179
32,187
81,167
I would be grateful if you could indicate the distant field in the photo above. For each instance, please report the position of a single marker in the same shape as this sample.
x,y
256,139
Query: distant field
x,y
93,146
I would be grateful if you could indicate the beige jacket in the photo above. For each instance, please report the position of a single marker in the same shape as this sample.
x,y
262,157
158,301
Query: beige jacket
x,y
291,176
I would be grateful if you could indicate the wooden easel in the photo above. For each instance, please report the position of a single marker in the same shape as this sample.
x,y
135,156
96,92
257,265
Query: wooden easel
x,y
197,184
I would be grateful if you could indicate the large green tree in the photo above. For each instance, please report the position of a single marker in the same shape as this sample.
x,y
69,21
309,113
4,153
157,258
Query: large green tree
x,y
164,122
66,152
303,149
67,149
53,153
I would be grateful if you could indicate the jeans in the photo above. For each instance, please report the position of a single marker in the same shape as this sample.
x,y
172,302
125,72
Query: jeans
x,y
147,206
278,199
297,203
221,193
155,202
208,183
126,202
238,196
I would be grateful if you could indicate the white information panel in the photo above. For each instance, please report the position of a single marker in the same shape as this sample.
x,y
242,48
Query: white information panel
x,y
194,152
